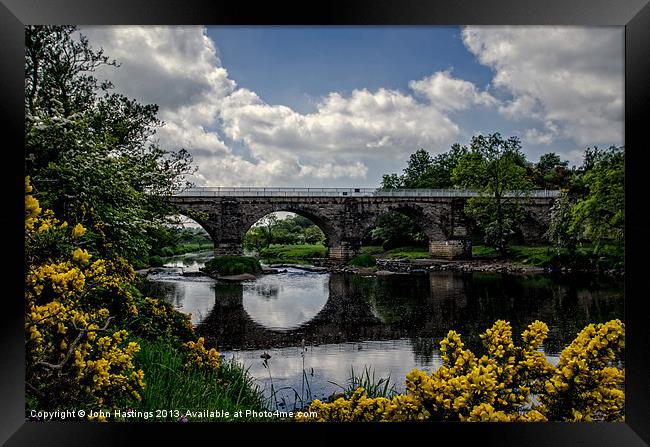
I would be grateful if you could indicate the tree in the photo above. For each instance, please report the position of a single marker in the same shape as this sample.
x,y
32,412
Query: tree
x,y
395,229
559,230
424,171
599,214
415,173
391,181
550,172
90,152
497,168
442,167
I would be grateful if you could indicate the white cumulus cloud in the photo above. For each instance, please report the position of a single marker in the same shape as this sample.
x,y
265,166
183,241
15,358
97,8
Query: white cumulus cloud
x,y
571,79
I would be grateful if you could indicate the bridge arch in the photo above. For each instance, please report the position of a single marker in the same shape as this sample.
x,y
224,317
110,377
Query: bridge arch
x,y
344,215
309,212
430,222
200,218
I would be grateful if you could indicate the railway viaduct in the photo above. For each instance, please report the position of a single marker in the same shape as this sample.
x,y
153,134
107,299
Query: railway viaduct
x,y
346,214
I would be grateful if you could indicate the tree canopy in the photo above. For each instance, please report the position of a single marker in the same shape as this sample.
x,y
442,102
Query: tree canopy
x,y
90,152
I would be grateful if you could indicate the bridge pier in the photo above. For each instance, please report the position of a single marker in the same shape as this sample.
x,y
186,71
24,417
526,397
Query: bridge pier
x,y
228,248
451,249
344,251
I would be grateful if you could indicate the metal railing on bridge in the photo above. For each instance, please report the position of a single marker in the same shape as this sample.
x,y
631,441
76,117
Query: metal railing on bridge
x,y
221,191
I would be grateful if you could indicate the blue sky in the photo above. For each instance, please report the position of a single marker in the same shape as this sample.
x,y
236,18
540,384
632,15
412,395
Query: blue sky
x,y
296,65
341,106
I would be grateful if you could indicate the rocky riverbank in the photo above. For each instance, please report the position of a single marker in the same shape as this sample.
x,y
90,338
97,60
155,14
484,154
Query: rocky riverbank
x,y
407,266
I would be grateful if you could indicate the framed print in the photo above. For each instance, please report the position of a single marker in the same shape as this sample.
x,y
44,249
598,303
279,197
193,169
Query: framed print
x,y
308,222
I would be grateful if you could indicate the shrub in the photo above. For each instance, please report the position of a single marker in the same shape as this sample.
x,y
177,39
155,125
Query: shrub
x,y
363,261
232,265
155,261
80,315
74,355
500,385
167,251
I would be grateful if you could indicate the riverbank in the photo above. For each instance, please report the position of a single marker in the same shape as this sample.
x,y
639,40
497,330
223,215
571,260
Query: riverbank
x,y
409,266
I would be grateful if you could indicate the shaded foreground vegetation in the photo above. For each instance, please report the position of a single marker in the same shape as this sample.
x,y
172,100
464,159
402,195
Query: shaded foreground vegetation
x,y
170,386
94,341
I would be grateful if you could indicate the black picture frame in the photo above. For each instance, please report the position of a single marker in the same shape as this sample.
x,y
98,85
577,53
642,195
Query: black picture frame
x,y
633,14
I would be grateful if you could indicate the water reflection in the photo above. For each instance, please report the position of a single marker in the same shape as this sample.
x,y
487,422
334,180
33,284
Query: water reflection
x,y
283,309
391,323
285,305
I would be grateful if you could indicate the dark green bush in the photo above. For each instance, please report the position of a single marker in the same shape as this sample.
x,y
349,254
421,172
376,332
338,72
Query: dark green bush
x,y
363,261
232,265
167,251
155,261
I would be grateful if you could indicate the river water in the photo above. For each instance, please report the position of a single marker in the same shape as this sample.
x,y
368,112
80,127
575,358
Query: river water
x,y
319,327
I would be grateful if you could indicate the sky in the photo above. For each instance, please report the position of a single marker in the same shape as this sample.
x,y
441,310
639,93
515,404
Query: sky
x,y
341,106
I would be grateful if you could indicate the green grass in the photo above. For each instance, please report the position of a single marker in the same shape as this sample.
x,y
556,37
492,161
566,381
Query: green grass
x,y
396,253
407,253
232,265
374,386
363,261
169,386
372,250
546,255
481,251
537,256
287,253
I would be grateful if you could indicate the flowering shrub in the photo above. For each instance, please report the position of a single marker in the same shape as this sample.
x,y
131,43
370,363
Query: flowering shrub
x,y
72,353
158,318
198,356
499,386
586,385
78,310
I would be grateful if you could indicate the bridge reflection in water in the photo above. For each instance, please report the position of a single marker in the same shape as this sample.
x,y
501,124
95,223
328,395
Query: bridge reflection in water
x,y
342,308
389,323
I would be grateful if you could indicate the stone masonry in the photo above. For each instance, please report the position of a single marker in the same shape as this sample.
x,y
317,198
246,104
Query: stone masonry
x,y
345,220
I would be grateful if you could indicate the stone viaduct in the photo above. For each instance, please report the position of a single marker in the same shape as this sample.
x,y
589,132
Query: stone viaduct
x,y
346,214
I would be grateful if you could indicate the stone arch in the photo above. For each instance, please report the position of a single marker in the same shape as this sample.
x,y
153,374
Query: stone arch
x,y
313,213
427,219
202,219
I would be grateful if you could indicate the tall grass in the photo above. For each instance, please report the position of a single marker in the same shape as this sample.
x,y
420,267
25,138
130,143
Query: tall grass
x,y
169,386
374,386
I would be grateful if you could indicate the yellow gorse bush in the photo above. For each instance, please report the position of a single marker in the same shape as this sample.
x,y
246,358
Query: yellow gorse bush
x,y
72,355
198,356
499,386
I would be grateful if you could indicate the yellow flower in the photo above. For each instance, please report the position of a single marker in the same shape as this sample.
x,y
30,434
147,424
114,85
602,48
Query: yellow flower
x,y
81,255
78,231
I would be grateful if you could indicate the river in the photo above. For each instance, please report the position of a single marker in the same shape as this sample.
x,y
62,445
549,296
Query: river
x,y
319,327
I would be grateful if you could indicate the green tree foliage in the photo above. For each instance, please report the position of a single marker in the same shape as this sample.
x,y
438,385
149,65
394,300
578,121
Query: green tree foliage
x,y
551,172
496,167
395,229
559,230
422,171
599,212
425,171
293,230
89,152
